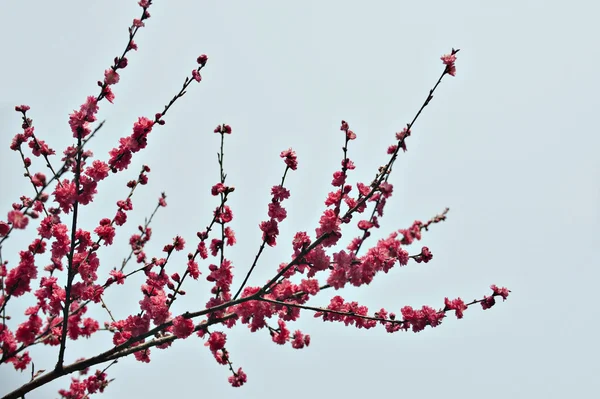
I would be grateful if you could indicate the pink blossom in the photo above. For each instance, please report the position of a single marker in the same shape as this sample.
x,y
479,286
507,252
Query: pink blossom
x,y
88,190
27,332
352,308
280,193
318,259
65,194
329,224
139,138
178,243
488,302
218,189
425,255
116,276
98,171
38,179
224,215
229,236
301,240
238,379
348,164
108,94
142,356
270,232
300,340
503,292
60,247
155,303
196,75
342,263
457,305
215,246
282,334
333,198
216,341
202,59
221,276
39,147
111,77
193,270
290,158
202,250
120,158
17,141
253,313
21,362
276,211
120,218
401,136
448,60
182,327
223,129
310,286
105,231
419,319
125,205
339,178
17,219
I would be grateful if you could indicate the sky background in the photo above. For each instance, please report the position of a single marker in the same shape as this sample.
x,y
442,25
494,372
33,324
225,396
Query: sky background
x,y
510,145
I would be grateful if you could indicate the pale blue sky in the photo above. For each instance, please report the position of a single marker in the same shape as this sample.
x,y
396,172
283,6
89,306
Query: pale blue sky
x,y
509,145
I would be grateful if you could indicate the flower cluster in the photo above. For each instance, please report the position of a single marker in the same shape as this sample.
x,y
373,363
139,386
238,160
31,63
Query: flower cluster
x,y
71,275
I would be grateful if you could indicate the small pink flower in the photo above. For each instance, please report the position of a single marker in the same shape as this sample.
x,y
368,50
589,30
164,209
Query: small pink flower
x,y
178,243
98,171
503,292
193,270
238,379
216,341
108,94
4,229
290,158
18,219
448,60
39,147
276,211
111,77
218,188
425,255
196,75
202,250
223,129
457,305
224,215
182,327
282,334
142,356
270,231
229,236
202,59
280,193
117,276
488,302
105,231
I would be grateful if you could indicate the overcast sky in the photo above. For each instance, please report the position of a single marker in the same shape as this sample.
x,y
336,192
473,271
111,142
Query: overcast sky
x,y
510,145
